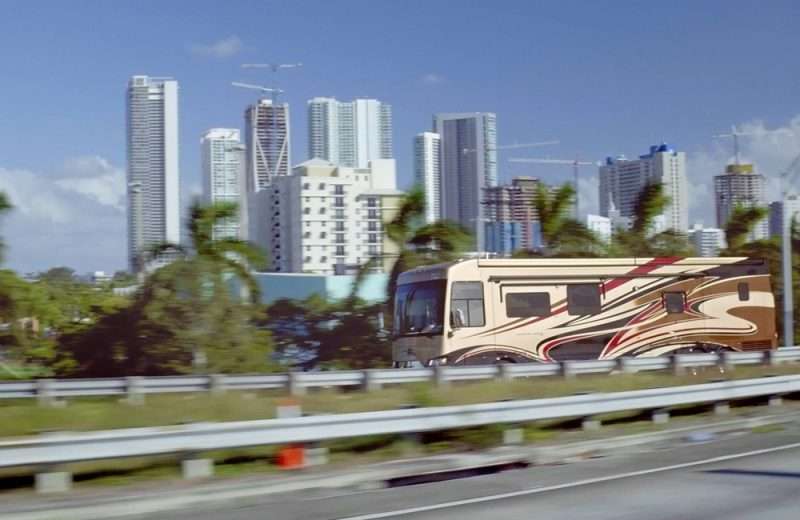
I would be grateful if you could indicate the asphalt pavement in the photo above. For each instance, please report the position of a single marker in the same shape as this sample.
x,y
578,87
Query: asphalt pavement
x,y
741,476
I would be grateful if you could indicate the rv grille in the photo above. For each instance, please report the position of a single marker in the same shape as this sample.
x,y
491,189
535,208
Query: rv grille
x,y
756,345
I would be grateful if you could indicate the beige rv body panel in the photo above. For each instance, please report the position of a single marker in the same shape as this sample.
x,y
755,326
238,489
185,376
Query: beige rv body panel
x,y
714,303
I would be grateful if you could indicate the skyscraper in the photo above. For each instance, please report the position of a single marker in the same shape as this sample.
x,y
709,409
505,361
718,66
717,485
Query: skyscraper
x,y
152,173
622,181
267,143
776,214
222,158
349,133
740,185
468,166
428,172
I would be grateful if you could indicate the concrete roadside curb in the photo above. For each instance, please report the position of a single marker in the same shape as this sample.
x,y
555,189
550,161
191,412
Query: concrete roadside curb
x,y
122,504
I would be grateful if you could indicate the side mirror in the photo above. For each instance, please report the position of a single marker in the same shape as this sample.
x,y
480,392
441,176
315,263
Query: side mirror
x,y
457,318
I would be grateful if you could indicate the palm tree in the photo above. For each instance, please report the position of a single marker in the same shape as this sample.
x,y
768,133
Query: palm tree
x,y
5,207
420,243
561,234
217,255
741,223
638,240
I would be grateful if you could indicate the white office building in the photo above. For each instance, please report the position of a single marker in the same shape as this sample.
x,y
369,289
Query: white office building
x,y
740,185
776,214
428,172
707,242
349,133
622,181
267,143
326,219
468,160
152,166
223,165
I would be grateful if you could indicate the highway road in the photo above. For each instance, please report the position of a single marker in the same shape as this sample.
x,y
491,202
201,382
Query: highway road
x,y
736,477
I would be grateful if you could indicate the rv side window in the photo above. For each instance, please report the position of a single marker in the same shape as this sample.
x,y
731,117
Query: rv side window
x,y
526,305
583,299
675,302
466,299
744,292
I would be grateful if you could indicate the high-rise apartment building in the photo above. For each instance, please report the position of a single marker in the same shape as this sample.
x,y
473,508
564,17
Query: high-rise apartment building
x,y
740,185
511,220
428,172
267,143
152,171
326,218
350,133
776,214
468,166
622,181
223,165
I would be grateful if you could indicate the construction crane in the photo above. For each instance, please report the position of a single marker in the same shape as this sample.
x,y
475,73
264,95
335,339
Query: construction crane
x,y
273,92
513,146
576,164
736,134
274,67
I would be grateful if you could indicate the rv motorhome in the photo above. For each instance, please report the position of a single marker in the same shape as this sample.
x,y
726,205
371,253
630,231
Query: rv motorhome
x,y
484,311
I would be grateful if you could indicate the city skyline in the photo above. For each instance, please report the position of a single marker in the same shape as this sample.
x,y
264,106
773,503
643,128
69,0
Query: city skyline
x,y
75,193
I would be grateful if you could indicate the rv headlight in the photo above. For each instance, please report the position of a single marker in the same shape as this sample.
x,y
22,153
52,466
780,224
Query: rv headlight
x,y
437,362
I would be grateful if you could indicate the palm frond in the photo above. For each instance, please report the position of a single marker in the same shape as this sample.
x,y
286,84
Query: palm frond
x,y
412,208
652,202
741,223
443,236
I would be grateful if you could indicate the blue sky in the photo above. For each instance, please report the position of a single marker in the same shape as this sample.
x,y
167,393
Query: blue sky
x,y
602,77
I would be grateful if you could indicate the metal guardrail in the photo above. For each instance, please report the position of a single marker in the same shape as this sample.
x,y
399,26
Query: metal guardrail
x,y
67,448
49,390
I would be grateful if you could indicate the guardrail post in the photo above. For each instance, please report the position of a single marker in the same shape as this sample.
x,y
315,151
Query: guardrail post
x,y
49,481
440,376
295,385
676,365
216,384
504,371
134,386
771,358
513,436
590,424
288,408
775,400
45,395
567,369
624,365
660,416
725,361
315,456
722,408
193,467
371,382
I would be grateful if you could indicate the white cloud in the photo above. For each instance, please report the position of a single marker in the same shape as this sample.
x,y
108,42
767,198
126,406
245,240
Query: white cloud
x,y
74,216
432,78
95,178
770,149
224,48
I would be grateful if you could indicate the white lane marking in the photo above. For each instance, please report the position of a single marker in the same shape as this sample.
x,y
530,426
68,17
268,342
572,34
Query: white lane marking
x,y
577,483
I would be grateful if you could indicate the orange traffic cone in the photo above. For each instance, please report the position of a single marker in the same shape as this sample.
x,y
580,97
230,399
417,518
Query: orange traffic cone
x,y
291,457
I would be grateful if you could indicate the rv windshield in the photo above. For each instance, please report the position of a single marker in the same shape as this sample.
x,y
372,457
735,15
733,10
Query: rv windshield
x,y
419,308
